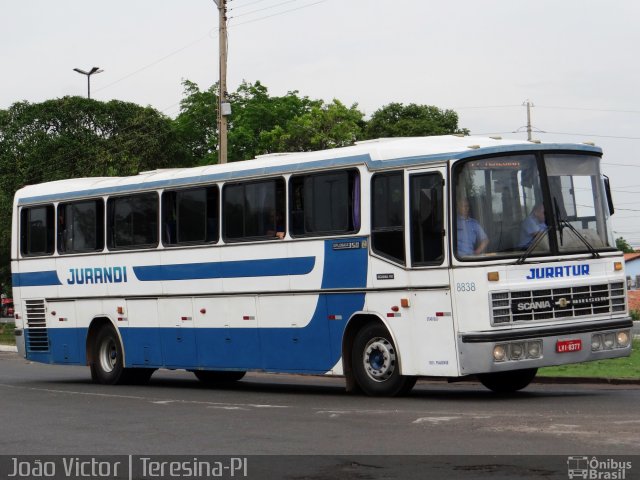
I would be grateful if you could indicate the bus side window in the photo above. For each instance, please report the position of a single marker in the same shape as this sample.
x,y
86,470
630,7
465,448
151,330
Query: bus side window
x,y
81,226
37,235
387,216
326,203
254,210
133,221
427,219
190,216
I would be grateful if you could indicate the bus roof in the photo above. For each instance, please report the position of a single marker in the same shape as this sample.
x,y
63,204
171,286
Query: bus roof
x,y
375,154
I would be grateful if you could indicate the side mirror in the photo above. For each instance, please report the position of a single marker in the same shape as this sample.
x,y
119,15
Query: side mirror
x,y
607,189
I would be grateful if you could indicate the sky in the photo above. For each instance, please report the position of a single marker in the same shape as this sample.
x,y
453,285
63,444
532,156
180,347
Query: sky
x,y
576,61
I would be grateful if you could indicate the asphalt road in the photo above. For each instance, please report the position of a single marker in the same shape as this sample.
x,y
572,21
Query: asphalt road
x,y
56,410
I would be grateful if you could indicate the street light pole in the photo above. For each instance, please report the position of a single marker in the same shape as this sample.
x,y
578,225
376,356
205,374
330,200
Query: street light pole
x,y
88,74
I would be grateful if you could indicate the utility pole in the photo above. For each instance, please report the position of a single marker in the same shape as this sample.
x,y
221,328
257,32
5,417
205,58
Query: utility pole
x,y
529,105
224,108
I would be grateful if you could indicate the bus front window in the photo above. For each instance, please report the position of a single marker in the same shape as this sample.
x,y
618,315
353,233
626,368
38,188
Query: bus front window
x,y
499,208
578,202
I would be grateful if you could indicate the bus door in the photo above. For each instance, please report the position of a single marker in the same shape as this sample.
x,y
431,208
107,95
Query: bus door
x,y
430,329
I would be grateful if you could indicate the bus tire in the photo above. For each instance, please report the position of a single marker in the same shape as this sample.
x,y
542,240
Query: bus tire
x,y
375,363
217,376
107,365
508,382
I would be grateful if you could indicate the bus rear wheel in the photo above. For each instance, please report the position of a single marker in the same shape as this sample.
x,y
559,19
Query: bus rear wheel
x,y
374,360
216,376
508,382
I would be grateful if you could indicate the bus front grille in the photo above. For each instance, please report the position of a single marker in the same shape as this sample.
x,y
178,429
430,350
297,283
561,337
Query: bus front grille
x,y
557,303
37,336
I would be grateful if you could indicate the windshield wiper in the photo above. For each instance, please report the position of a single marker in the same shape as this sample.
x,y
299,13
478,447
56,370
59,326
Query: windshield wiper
x,y
531,246
559,223
562,222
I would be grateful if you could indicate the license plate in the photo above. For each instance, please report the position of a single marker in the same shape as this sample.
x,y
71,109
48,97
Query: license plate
x,y
563,346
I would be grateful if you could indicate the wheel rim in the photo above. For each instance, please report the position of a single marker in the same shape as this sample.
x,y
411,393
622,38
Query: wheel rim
x,y
379,359
108,355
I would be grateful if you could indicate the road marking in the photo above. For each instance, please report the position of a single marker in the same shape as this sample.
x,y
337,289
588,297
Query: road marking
x,y
434,420
146,399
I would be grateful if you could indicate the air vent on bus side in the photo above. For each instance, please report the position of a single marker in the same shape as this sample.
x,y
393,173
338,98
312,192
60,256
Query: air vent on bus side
x,y
37,336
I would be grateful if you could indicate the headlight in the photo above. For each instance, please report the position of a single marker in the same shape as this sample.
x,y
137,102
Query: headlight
x,y
609,340
534,349
517,351
499,353
623,338
596,342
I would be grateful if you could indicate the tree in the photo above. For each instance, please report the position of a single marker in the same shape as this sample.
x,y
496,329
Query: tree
x,y
324,126
254,115
623,245
196,125
77,137
398,120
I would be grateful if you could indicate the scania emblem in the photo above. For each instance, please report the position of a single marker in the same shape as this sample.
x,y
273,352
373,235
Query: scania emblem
x,y
562,302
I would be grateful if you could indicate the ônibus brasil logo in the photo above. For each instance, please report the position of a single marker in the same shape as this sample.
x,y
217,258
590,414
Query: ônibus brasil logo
x,y
597,469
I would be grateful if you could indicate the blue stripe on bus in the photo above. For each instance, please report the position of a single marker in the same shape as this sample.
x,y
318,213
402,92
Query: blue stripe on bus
x,y
307,166
317,347
234,269
35,279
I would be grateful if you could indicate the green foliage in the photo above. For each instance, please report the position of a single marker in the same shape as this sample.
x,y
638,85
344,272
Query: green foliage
x,y
196,125
626,367
7,335
323,126
77,137
623,245
398,120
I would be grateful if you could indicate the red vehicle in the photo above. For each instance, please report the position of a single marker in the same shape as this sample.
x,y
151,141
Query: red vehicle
x,y
6,307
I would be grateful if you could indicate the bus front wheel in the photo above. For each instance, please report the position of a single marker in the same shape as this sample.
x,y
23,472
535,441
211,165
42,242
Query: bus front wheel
x,y
375,364
508,382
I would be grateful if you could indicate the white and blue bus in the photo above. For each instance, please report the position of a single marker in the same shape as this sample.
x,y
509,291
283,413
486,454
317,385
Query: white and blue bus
x,y
383,262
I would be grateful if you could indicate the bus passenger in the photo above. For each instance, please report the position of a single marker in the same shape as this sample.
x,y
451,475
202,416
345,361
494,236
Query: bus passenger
x,y
472,239
532,226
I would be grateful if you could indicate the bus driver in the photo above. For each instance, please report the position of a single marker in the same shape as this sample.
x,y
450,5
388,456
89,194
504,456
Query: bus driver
x,y
472,239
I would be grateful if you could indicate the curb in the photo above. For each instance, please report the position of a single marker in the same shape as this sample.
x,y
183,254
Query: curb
x,y
8,348
586,380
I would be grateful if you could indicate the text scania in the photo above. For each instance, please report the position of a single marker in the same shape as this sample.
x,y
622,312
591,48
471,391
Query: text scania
x,y
84,276
558,272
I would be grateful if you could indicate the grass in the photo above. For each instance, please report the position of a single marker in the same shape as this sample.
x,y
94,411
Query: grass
x,y
626,367
6,334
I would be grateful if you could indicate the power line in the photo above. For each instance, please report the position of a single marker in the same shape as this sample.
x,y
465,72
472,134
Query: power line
x,y
198,40
610,110
277,14
262,9
592,135
246,5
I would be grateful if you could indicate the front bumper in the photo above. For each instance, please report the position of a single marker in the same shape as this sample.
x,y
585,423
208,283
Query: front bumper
x,y
476,348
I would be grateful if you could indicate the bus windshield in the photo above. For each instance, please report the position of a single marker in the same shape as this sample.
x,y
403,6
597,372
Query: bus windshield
x,y
500,210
